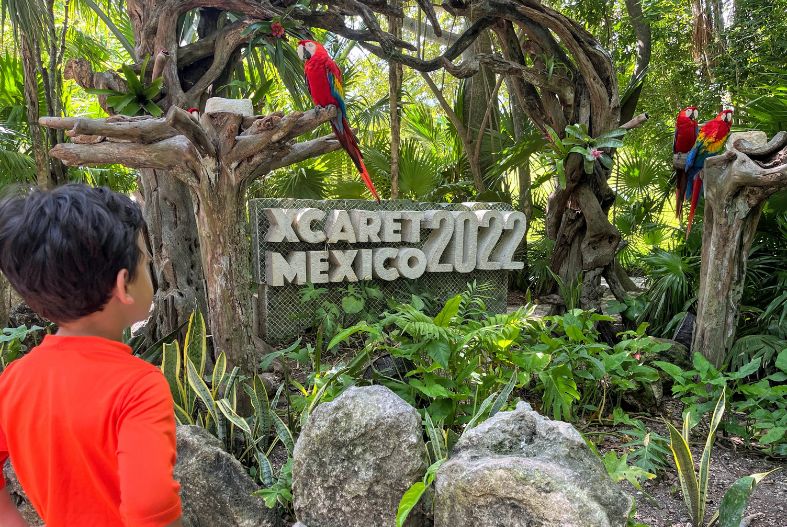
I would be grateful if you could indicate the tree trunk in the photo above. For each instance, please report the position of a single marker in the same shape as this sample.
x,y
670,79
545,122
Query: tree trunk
x,y
221,221
37,139
5,300
477,98
737,184
174,244
395,74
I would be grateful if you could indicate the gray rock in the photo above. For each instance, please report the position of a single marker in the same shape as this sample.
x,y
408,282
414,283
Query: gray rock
x,y
214,487
520,469
355,458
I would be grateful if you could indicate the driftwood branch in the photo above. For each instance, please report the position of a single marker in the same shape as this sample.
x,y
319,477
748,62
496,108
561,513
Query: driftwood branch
x,y
274,129
302,151
737,184
181,121
636,122
118,128
170,154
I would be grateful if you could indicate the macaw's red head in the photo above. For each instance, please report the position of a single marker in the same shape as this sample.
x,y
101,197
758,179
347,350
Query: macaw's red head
x,y
690,112
308,48
725,115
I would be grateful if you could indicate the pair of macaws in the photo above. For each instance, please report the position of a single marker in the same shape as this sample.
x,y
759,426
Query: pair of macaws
x,y
700,144
324,80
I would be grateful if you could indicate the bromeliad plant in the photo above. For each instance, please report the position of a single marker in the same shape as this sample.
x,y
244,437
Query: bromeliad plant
x,y
694,486
140,97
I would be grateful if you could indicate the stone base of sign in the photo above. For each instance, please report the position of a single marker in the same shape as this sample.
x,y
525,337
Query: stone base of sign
x,y
285,310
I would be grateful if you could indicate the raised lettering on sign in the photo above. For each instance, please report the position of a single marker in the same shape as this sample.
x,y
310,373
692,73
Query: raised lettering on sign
x,y
458,241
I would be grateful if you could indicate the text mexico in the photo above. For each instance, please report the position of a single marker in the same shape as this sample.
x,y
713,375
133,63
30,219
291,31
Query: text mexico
x,y
404,244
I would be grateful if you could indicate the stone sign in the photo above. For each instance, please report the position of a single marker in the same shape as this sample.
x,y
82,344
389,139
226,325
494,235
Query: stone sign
x,y
402,247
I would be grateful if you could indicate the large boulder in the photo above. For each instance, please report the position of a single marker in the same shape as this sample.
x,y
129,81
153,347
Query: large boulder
x,y
215,489
355,458
520,469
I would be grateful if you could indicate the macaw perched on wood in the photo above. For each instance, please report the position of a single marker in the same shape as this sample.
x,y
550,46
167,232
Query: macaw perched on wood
x,y
710,142
324,80
686,130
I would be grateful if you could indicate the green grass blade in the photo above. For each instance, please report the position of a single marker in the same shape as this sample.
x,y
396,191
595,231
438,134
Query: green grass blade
x,y
502,399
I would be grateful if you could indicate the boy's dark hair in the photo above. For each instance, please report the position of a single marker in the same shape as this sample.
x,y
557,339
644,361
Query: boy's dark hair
x,y
62,249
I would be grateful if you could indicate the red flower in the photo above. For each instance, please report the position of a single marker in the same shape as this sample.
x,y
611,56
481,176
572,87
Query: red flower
x,y
596,153
637,356
277,30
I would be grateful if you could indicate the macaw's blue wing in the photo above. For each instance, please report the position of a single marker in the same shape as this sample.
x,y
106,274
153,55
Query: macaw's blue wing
x,y
337,90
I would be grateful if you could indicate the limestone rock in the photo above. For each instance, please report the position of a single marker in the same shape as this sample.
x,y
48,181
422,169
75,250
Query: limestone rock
x,y
520,469
355,458
215,488
240,106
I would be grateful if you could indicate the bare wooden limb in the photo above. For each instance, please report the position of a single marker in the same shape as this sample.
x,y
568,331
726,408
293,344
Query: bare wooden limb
x,y
428,8
258,124
487,115
172,153
226,42
279,130
141,131
637,121
181,121
303,151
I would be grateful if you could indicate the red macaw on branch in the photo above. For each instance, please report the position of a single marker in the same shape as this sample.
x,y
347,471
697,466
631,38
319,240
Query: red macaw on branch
x,y
710,142
686,130
324,80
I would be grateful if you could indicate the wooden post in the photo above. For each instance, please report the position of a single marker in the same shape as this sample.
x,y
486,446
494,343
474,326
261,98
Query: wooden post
x,y
737,184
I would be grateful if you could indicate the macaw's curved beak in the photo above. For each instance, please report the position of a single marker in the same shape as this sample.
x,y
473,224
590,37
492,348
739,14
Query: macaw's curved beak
x,y
303,53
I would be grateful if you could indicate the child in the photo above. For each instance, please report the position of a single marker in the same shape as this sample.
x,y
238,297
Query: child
x,y
90,428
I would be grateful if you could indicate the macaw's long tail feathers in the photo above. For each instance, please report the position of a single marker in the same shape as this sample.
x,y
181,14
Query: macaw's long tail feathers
x,y
695,197
680,191
368,182
348,141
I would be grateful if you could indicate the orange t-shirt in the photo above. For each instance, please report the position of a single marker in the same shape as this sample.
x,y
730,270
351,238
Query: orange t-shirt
x,y
90,430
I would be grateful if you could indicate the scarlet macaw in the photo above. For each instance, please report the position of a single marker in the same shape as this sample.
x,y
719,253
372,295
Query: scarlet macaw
x,y
686,130
710,142
324,80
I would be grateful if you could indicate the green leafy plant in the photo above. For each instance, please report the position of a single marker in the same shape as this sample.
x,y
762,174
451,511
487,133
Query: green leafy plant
x,y
649,449
694,485
577,141
12,343
210,399
758,408
140,97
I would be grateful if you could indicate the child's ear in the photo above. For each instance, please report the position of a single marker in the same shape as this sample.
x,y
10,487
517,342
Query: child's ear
x,y
121,291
